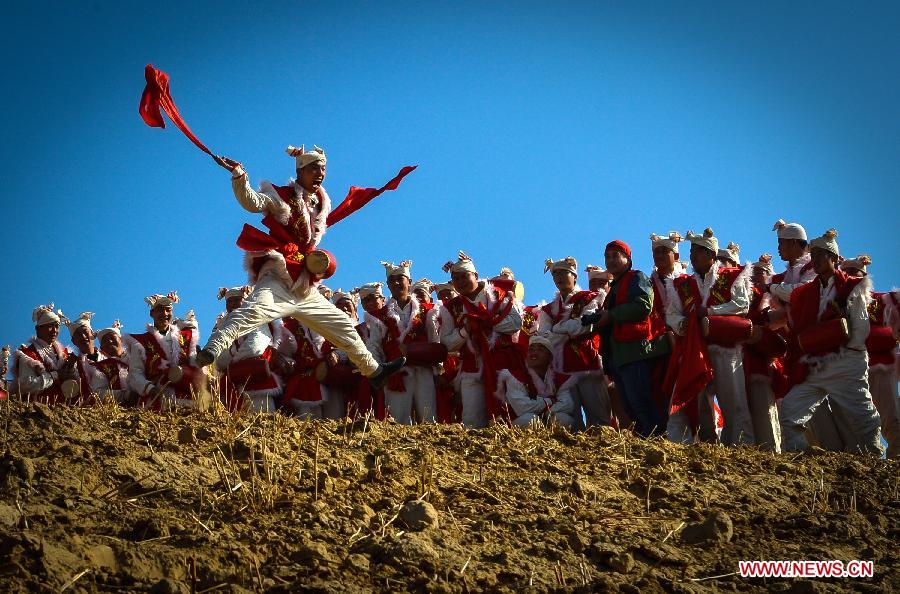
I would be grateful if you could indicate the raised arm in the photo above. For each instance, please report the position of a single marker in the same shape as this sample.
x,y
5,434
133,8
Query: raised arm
x,y
247,197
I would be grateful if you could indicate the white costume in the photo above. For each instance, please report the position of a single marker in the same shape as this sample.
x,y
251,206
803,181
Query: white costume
x,y
146,372
842,377
726,362
457,339
36,365
551,402
418,381
827,426
589,388
277,294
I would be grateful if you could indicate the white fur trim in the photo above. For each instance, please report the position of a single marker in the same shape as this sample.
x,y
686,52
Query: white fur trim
x,y
281,211
394,312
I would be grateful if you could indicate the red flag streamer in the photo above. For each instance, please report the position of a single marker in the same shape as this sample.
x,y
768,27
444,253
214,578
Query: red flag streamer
x,y
156,96
359,197
689,370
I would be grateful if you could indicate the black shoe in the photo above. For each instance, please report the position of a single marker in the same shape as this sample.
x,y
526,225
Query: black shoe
x,y
203,358
385,371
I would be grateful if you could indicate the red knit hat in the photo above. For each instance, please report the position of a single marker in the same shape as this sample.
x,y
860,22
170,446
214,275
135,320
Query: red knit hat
x,y
620,246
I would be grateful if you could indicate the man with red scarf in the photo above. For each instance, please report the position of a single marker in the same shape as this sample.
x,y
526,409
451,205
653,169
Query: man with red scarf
x,y
631,343
482,323
403,321
576,351
296,217
161,365
836,369
881,346
41,365
111,379
828,428
542,394
704,371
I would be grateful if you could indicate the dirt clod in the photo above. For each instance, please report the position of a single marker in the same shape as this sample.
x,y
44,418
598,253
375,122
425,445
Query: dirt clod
x,y
716,528
419,515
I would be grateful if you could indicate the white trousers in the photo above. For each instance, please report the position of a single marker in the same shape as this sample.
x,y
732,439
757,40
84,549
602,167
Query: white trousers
x,y
729,389
471,393
420,392
845,382
764,414
883,385
591,394
272,300
828,429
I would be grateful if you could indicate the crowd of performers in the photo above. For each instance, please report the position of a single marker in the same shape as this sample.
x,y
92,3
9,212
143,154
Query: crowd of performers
x,y
728,353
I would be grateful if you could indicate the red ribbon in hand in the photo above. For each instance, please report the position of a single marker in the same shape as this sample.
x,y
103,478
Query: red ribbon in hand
x,y
359,197
156,96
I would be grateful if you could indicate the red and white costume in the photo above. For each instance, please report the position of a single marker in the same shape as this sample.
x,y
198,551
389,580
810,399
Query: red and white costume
x,y
88,375
35,371
248,364
881,346
576,351
109,376
723,291
303,394
828,427
36,365
154,355
841,373
296,220
484,330
391,331
764,370
532,398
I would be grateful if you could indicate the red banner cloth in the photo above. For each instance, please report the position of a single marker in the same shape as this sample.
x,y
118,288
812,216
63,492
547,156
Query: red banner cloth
x,y
156,96
359,197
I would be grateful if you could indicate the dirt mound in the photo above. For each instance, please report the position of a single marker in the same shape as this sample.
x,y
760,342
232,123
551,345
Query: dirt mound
x,y
116,500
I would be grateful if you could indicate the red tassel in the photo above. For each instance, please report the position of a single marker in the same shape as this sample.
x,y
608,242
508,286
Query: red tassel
x,y
156,96
359,197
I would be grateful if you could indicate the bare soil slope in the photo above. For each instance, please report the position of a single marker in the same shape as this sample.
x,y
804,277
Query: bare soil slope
x,y
117,500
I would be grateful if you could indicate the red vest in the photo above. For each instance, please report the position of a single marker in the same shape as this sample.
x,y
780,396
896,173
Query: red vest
x,y
805,314
632,331
689,291
805,302
293,240
155,355
111,369
302,385
880,343
53,394
583,352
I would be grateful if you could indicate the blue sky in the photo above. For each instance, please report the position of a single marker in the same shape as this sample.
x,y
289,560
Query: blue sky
x,y
539,130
